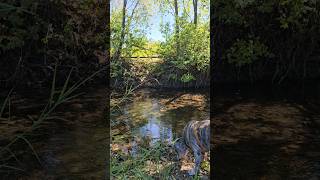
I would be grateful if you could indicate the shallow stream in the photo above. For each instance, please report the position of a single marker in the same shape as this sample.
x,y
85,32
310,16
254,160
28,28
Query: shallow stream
x,y
157,115
258,133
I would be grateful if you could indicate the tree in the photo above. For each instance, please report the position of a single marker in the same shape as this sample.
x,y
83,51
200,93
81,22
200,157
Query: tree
x,y
274,40
176,12
118,52
128,28
195,11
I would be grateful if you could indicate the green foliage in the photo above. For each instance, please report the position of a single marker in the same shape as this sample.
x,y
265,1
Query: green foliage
x,y
295,13
173,76
13,32
39,33
244,52
120,69
26,21
193,56
193,42
194,49
280,31
148,49
187,77
135,27
138,167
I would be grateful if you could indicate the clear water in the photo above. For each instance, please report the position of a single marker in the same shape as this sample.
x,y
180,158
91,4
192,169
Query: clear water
x,y
150,118
258,133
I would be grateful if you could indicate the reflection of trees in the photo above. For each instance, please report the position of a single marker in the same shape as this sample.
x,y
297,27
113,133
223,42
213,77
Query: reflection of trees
x,y
178,118
139,112
166,133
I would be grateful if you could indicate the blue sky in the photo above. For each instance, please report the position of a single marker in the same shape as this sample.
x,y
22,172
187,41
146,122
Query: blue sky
x,y
154,32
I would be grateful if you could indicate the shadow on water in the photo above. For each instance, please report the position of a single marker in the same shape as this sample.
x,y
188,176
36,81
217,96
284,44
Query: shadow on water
x,y
265,133
77,153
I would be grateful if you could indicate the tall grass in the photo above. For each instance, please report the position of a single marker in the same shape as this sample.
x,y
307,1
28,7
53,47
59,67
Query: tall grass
x,y
56,98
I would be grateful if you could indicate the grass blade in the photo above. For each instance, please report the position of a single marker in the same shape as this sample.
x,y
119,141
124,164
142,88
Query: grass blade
x,y
12,167
53,86
65,84
5,102
31,147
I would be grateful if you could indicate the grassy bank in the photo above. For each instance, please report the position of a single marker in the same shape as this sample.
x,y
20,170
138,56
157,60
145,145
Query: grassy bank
x,y
154,162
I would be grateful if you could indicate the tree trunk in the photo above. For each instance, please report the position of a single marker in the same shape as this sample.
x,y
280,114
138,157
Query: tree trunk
x,y
177,24
195,11
118,52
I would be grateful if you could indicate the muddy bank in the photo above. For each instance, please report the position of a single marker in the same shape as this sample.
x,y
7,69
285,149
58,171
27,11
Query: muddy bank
x,y
70,145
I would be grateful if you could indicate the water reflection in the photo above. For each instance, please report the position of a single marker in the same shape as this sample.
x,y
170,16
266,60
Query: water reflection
x,y
151,120
156,131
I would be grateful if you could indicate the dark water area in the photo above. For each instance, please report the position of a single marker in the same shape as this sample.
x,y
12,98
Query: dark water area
x,y
149,117
265,132
295,91
70,145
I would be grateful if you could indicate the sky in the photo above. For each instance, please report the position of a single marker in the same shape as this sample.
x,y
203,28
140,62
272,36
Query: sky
x,y
154,31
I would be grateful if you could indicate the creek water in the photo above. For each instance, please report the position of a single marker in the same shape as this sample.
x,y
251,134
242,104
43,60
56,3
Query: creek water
x,y
258,133
151,118
266,133
79,152
71,145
